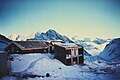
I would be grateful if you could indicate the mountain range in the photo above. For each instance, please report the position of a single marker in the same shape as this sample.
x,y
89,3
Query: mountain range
x,y
107,49
50,35
15,37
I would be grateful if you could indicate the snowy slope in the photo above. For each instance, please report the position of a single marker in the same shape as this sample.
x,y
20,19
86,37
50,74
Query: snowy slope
x,y
3,42
112,51
2,46
86,53
40,64
50,35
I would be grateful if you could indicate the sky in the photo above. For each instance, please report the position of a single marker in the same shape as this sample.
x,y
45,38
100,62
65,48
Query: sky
x,y
83,18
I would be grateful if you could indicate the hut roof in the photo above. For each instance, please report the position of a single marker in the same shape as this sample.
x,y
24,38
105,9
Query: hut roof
x,y
30,44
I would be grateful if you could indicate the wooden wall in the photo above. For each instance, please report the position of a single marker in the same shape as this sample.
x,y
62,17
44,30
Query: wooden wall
x,y
81,58
60,54
13,49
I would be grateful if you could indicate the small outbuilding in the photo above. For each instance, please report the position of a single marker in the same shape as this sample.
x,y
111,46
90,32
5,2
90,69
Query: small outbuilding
x,y
69,53
5,65
27,47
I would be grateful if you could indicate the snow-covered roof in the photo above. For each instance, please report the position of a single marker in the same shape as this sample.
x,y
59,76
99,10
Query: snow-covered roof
x,y
53,41
30,44
68,45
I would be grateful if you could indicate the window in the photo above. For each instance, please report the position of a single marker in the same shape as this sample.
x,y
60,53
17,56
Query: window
x,y
68,52
68,56
74,52
45,50
81,55
52,47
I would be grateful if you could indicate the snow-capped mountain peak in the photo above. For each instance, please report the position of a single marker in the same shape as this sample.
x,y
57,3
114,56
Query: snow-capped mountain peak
x,y
50,35
12,36
15,37
37,34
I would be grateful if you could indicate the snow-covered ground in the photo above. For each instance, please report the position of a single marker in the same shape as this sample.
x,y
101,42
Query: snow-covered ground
x,y
41,64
